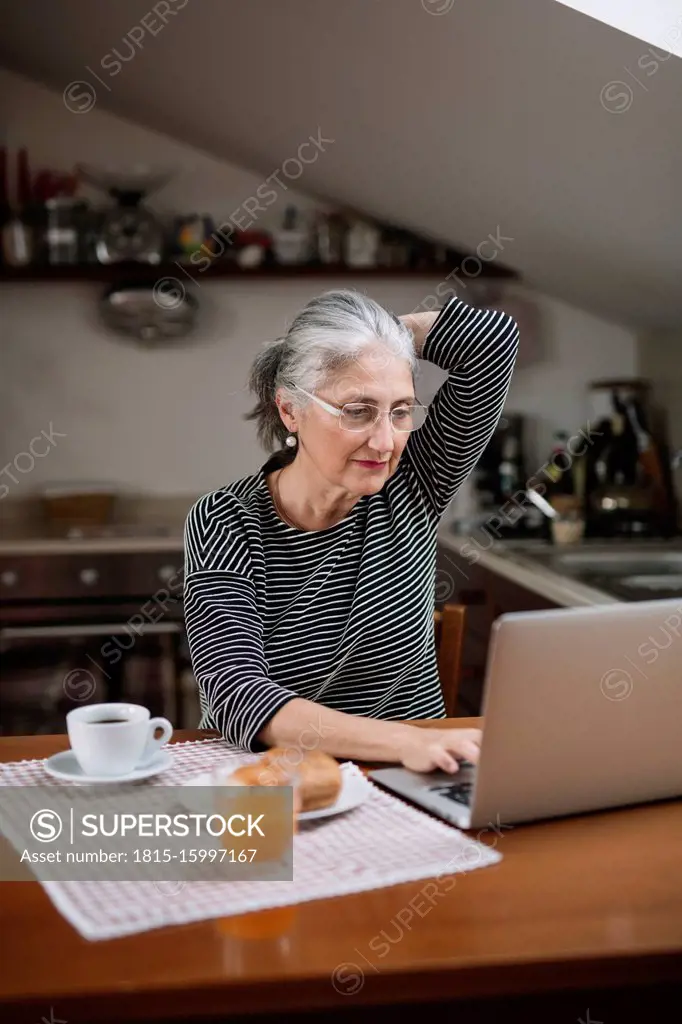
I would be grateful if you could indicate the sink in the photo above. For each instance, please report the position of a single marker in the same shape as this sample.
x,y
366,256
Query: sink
x,y
669,581
623,560
626,571
621,563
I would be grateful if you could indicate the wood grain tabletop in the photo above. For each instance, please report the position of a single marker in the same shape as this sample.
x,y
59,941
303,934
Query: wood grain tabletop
x,y
577,906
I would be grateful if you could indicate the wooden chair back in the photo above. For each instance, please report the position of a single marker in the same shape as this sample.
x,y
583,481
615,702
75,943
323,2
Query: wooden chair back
x,y
449,627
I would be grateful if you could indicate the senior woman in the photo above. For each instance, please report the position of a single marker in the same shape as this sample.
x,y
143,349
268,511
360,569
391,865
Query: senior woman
x,y
309,585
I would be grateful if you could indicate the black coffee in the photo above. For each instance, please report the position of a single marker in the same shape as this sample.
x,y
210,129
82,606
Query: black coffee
x,y
107,721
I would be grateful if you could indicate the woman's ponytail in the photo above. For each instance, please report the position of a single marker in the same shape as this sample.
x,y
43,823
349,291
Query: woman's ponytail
x,y
263,382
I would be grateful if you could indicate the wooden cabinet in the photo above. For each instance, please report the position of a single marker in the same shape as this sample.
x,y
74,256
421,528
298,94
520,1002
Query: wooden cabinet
x,y
487,595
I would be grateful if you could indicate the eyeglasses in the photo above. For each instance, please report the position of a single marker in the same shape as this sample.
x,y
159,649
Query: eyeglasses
x,y
359,416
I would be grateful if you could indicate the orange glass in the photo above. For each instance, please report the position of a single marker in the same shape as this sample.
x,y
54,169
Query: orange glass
x,y
266,799
230,799
262,924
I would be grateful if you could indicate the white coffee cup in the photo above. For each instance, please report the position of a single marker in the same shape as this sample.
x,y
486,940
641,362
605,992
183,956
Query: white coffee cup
x,y
115,738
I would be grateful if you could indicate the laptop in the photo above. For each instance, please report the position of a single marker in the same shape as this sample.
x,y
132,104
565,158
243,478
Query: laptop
x,y
582,710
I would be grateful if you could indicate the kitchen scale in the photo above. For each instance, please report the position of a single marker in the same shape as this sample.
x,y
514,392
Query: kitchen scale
x,y
129,232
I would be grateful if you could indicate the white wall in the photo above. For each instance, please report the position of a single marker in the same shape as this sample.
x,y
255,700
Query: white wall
x,y
578,348
169,422
37,118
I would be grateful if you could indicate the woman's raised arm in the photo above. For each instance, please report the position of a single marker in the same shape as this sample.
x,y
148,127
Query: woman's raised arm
x,y
478,349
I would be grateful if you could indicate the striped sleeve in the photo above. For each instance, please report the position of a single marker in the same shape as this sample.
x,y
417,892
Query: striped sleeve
x,y
224,629
478,349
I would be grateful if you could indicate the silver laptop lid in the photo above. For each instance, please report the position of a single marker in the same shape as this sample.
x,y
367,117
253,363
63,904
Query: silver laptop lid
x,y
582,710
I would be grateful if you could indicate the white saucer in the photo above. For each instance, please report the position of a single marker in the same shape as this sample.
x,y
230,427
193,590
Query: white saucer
x,y
355,789
65,766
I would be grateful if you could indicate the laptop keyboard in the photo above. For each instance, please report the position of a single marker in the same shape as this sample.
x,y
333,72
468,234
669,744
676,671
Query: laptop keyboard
x,y
460,792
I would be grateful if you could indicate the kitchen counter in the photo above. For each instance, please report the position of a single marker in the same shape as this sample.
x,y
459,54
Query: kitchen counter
x,y
141,525
153,527
100,545
524,562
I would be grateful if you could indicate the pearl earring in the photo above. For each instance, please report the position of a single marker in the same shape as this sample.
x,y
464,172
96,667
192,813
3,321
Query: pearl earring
x,y
291,440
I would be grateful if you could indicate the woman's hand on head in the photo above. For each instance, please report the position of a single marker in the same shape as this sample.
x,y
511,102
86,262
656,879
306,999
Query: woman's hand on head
x,y
433,749
420,324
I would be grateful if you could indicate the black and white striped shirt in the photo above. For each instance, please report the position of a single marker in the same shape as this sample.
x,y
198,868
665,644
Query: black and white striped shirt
x,y
342,616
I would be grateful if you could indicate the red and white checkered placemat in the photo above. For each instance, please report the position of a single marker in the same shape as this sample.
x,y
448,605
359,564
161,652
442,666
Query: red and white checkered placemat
x,y
380,843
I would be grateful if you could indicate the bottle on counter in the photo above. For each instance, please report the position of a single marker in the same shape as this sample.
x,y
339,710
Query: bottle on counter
x,y
331,232
17,233
5,208
559,468
510,468
61,236
292,241
361,243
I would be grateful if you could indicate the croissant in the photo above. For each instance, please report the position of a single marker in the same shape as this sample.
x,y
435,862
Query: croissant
x,y
319,776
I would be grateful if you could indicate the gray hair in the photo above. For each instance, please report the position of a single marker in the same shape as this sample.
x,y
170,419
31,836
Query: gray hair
x,y
329,333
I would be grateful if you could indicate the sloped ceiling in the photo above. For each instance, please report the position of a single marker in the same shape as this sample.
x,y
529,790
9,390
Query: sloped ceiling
x,y
457,118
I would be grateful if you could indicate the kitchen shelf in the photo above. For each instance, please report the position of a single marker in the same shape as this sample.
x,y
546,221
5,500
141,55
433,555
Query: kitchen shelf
x,y
143,272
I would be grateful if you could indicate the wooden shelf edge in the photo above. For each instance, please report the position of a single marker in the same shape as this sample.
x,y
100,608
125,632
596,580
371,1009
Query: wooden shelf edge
x,y
144,272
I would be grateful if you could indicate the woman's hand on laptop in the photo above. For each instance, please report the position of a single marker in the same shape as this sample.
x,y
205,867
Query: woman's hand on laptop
x,y
431,749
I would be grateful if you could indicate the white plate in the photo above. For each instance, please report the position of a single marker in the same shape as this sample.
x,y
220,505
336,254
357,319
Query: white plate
x,y
354,790
65,766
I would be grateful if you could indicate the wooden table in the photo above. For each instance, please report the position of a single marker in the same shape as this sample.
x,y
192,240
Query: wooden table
x,y
581,920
